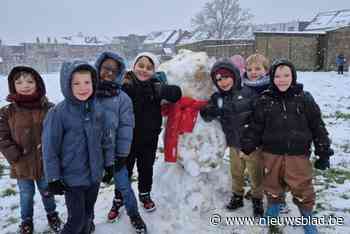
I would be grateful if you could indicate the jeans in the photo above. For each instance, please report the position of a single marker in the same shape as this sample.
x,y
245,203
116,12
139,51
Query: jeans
x,y
26,194
122,184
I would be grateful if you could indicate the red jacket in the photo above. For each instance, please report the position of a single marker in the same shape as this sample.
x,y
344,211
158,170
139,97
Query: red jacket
x,y
182,117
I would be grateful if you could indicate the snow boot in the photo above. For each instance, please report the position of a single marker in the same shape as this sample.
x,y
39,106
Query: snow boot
x,y
309,228
114,213
235,202
148,204
54,222
258,207
26,227
272,211
138,224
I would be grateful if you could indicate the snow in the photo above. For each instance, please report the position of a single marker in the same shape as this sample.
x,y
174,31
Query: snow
x,y
293,32
189,192
158,37
330,20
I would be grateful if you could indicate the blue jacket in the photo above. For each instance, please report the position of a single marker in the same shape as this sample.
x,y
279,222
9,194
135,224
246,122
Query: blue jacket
x,y
77,145
118,108
340,60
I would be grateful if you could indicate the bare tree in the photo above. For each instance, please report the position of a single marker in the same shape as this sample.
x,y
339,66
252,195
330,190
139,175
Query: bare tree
x,y
222,19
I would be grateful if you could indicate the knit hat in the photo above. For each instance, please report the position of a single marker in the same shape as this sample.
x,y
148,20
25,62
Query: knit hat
x,y
223,72
152,57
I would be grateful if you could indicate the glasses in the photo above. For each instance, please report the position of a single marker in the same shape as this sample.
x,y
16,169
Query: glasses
x,y
109,69
219,77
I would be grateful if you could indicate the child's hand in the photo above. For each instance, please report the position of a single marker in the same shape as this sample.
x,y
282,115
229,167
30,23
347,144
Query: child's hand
x,y
57,187
322,163
108,174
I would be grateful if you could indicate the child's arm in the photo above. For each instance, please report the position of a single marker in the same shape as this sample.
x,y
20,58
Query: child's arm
x,y
318,129
171,93
252,132
8,146
52,137
125,128
211,111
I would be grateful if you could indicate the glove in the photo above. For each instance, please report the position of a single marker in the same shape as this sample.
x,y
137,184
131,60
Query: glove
x,y
119,163
56,187
248,150
322,163
170,93
109,171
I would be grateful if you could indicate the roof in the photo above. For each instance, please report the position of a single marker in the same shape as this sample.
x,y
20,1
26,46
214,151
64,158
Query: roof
x,y
330,20
292,32
158,37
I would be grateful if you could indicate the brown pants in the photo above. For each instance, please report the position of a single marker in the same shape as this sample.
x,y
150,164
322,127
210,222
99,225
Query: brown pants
x,y
239,162
294,172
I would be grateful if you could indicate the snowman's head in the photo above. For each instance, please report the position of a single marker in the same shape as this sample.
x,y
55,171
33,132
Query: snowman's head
x,y
190,70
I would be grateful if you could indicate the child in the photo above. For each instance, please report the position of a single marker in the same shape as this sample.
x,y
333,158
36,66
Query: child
x,y
118,105
231,105
146,93
20,142
341,62
77,146
286,120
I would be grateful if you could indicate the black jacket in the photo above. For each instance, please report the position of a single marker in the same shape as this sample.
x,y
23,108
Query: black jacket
x,y
287,123
146,97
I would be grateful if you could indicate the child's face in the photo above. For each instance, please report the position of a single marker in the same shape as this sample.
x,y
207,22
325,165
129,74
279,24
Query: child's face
x,y
225,83
144,69
109,69
82,86
283,78
255,71
25,85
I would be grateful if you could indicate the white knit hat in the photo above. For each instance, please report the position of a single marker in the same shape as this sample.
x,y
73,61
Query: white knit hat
x,y
149,55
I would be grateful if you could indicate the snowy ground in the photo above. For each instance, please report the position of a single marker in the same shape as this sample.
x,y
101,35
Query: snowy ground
x,y
183,205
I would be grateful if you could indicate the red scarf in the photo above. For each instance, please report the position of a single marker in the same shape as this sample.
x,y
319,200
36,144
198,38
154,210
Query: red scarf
x,y
182,117
26,101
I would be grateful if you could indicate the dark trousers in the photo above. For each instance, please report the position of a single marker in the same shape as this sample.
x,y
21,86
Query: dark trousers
x,y
143,154
80,202
340,69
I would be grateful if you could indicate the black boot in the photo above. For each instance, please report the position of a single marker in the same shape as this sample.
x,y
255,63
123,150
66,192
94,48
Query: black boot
x,y
26,227
54,222
235,202
258,207
138,224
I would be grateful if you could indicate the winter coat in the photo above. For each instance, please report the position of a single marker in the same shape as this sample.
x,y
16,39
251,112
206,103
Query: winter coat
x,y
118,108
20,132
235,110
77,145
340,60
182,117
287,123
146,103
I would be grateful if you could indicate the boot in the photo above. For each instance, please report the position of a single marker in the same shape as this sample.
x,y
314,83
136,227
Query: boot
x,y
26,227
272,211
54,222
114,213
138,224
148,204
235,202
258,207
309,228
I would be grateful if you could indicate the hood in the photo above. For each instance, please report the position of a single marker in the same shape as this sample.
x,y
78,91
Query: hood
x,y
149,55
67,69
283,62
227,64
110,55
39,80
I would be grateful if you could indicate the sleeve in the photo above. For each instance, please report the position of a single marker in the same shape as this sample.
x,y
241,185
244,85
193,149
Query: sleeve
x,y
126,127
318,129
171,93
52,138
210,111
253,130
8,146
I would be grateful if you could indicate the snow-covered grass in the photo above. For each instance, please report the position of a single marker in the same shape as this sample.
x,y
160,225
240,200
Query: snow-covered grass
x,y
185,203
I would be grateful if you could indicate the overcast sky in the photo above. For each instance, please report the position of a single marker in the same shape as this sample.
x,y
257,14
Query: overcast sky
x,y
24,19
